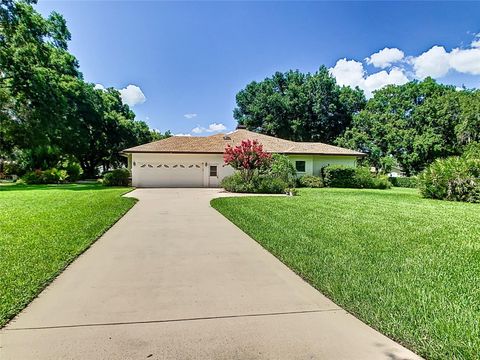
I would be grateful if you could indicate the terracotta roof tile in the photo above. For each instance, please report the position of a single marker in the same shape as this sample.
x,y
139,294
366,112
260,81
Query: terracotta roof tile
x,y
216,144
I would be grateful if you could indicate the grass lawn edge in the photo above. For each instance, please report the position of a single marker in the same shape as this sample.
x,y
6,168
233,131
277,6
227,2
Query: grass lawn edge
x,y
357,316
67,264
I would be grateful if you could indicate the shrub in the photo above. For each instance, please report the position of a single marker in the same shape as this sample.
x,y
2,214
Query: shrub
x,y
282,168
267,184
51,176
404,182
12,168
464,189
350,177
73,169
235,183
339,176
364,179
259,184
117,177
381,182
248,158
310,181
454,178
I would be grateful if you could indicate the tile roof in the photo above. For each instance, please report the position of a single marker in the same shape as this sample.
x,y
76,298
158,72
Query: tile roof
x,y
215,144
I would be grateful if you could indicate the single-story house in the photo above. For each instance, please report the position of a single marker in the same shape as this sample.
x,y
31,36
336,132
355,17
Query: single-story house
x,y
189,161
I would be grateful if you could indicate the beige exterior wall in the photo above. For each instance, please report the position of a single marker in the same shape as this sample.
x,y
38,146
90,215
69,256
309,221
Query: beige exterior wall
x,y
193,170
179,176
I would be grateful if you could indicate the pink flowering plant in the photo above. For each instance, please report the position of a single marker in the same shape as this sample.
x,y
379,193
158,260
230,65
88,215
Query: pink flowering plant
x,y
248,158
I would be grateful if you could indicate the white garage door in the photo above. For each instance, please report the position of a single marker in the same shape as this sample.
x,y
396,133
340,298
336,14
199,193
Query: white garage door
x,y
168,175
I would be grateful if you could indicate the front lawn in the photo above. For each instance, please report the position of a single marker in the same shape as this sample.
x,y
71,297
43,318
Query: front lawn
x,y
408,266
44,228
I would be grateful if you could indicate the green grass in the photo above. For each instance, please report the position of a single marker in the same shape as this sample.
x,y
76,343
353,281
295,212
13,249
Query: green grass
x,y
408,266
44,228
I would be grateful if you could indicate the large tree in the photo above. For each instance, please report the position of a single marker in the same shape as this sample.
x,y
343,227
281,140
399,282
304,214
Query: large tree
x,y
47,111
35,69
298,106
102,126
413,123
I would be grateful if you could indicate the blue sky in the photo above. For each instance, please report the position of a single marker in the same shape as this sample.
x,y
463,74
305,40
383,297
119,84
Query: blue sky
x,y
188,59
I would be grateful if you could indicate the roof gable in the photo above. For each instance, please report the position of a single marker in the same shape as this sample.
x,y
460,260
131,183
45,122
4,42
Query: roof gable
x,y
215,144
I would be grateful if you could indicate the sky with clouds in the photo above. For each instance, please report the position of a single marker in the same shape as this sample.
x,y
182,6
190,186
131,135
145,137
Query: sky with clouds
x,y
180,64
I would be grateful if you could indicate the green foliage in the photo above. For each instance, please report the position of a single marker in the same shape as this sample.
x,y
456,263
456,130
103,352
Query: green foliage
x,y
48,113
465,189
468,128
281,167
379,182
339,176
363,178
43,229
297,106
260,184
267,184
235,183
472,151
73,169
50,176
404,265
117,177
12,168
454,178
310,181
405,182
414,124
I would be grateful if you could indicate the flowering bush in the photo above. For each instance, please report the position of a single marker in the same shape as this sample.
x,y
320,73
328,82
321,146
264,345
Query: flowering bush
x,y
248,158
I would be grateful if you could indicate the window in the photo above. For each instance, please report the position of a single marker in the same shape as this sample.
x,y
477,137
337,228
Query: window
x,y
213,170
300,166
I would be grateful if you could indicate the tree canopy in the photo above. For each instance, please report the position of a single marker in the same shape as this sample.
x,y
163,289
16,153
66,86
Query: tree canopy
x,y
409,125
45,105
298,106
414,124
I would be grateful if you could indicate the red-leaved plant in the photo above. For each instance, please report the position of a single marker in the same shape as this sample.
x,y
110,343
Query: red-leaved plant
x,y
247,158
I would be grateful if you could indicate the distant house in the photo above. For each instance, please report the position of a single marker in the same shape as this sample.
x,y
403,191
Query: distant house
x,y
188,161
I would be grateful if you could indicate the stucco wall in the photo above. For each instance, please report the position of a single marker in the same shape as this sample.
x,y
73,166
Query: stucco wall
x,y
144,177
314,163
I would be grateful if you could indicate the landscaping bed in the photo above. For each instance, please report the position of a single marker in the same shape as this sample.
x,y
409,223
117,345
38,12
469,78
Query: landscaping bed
x,y
409,267
45,227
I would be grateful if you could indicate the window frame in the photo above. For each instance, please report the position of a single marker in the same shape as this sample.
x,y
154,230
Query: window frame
x,y
297,162
215,168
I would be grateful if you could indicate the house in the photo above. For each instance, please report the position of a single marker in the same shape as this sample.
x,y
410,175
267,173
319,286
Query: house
x,y
188,161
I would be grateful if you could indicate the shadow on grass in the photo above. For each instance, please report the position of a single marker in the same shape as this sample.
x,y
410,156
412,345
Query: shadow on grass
x,y
70,187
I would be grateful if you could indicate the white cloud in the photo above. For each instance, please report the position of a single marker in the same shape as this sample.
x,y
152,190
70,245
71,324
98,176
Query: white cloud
x,y
434,62
180,134
214,127
385,58
99,87
132,95
466,60
352,73
190,115
348,72
378,80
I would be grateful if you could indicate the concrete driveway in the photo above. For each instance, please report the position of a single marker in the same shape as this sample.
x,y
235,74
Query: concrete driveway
x,y
173,279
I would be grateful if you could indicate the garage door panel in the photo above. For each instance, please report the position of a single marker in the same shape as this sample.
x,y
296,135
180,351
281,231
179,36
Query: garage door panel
x,y
168,175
